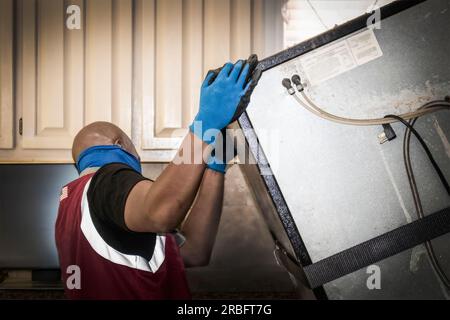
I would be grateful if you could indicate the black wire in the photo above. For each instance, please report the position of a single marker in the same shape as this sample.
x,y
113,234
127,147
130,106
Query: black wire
x,y
427,151
417,202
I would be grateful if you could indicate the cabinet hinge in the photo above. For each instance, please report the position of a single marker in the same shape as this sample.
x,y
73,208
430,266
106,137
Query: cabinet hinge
x,y
20,126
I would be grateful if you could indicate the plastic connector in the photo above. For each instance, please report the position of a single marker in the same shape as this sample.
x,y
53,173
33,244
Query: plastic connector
x,y
298,82
388,134
288,85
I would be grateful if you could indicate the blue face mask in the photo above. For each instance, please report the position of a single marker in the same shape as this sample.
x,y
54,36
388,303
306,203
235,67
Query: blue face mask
x,y
99,156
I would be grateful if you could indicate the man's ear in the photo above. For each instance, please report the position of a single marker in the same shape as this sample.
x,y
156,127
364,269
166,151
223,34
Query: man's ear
x,y
118,142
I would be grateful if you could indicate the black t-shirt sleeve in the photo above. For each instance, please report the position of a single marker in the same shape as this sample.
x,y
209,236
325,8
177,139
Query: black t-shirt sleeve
x,y
107,195
109,190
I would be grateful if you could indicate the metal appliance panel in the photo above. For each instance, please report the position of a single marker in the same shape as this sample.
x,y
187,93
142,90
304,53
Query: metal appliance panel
x,y
341,186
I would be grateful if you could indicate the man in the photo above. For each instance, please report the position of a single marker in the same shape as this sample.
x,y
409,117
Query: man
x,y
116,230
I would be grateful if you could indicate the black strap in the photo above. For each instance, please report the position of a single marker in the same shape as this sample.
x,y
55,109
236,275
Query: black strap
x,y
379,248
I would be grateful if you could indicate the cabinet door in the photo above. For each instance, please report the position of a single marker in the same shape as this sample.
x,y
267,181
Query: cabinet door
x,y
176,43
50,75
160,114
136,63
6,74
72,77
108,68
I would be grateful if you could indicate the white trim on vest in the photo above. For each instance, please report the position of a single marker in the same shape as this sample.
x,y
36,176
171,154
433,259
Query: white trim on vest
x,y
103,249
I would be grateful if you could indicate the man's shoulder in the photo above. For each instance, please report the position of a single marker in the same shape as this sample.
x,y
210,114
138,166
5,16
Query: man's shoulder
x,y
80,181
75,187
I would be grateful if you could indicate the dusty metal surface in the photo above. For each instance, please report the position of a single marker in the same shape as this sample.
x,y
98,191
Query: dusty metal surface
x,y
341,186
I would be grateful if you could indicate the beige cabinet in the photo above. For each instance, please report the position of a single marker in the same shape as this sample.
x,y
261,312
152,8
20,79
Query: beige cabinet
x,y
70,77
49,76
136,63
6,74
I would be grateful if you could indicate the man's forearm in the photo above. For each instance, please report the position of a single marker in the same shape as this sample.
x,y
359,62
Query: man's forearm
x,y
200,227
179,182
165,202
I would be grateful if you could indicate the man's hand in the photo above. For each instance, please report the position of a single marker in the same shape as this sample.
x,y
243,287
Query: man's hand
x,y
219,99
224,151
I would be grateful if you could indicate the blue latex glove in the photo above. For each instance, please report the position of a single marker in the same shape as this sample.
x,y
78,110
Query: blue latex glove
x,y
219,99
217,165
224,151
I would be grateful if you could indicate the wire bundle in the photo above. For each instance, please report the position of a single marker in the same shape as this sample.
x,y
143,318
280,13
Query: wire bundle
x,y
417,202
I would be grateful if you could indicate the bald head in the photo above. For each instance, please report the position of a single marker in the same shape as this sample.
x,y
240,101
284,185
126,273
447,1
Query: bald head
x,y
101,134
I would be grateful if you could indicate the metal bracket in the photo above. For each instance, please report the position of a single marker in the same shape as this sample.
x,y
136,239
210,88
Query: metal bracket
x,y
295,270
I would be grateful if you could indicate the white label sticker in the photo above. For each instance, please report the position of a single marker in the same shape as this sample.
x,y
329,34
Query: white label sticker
x,y
328,62
365,47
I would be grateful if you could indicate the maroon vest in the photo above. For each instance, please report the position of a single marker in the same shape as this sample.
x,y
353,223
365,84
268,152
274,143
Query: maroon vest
x,y
105,273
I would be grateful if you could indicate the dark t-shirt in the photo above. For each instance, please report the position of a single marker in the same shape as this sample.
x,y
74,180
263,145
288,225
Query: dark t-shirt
x,y
107,196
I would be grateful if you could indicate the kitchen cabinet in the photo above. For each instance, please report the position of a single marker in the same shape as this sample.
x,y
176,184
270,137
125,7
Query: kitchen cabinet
x,y
136,63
